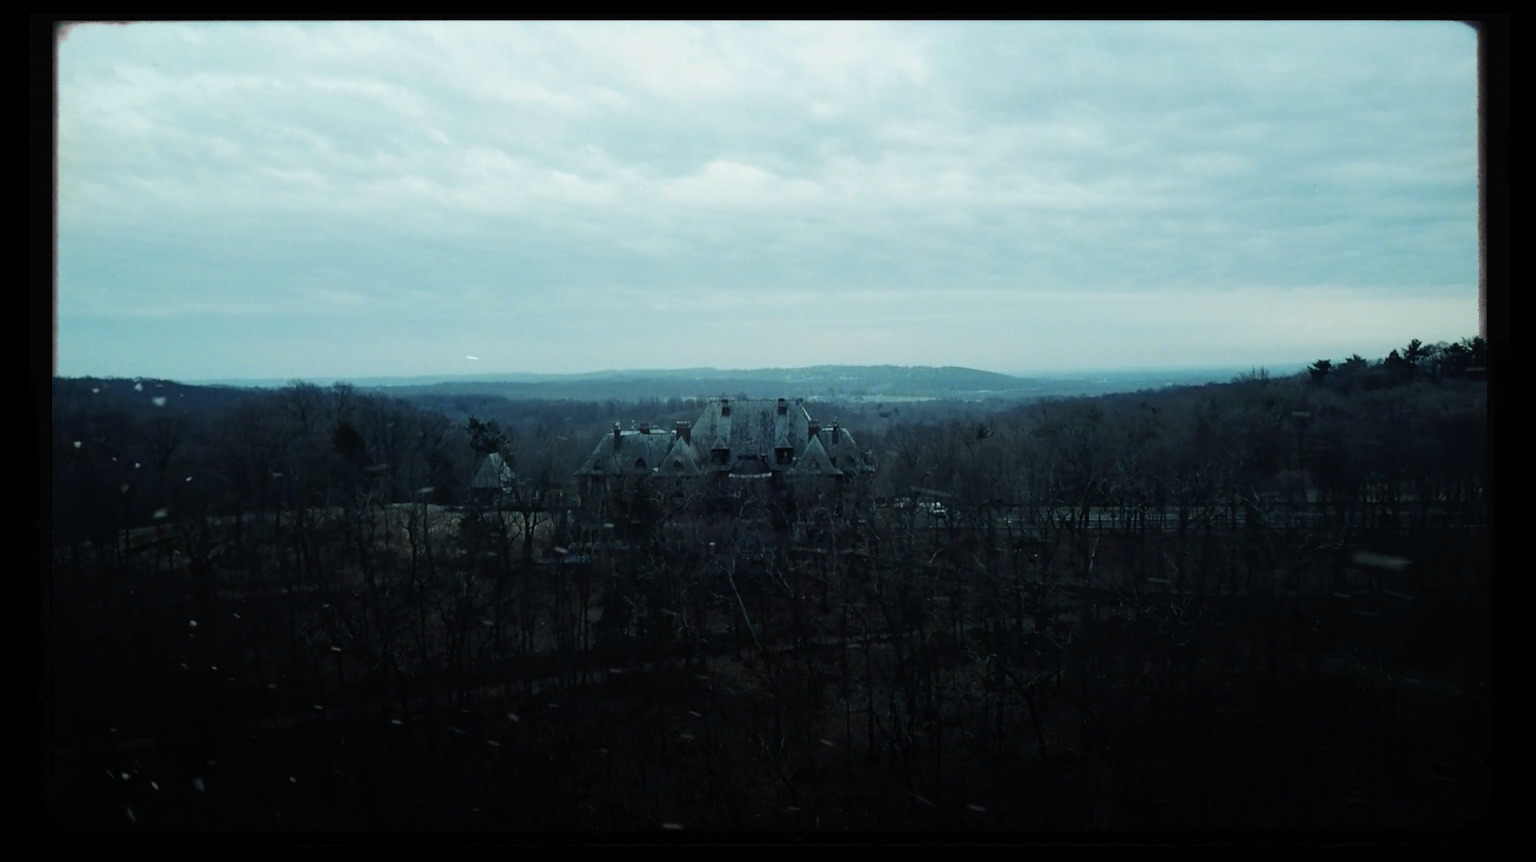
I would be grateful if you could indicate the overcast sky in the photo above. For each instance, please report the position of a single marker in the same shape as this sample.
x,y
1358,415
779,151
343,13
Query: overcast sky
x,y
274,200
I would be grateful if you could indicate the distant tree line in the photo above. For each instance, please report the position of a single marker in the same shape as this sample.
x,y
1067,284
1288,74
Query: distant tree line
x,y
1416,361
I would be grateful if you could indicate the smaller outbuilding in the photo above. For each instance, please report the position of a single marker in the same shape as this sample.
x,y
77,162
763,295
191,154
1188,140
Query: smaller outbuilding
x,y
493,480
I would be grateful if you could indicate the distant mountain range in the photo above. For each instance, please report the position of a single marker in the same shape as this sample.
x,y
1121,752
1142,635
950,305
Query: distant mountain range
x,y
841,381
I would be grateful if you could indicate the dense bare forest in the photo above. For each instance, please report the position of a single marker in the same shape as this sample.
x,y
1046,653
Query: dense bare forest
x,y
1257,605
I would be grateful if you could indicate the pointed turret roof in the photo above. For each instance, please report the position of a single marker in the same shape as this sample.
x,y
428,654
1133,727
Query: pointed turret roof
x,y
494,474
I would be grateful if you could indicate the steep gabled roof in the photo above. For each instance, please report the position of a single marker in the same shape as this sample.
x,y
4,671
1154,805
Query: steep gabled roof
x,y
755,437
680,460
627,453
843,451
753,427
494,475
814,461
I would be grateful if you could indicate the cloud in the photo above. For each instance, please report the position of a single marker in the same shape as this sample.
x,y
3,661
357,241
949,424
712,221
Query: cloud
x,y
385,170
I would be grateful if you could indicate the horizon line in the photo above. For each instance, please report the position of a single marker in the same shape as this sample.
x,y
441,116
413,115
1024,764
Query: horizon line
x,y
1054,373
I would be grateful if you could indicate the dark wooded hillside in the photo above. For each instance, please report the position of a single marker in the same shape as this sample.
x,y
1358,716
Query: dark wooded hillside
x,y
1257,605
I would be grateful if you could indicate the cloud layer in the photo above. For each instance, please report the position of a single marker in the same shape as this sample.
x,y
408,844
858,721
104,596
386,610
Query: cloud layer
x,y
346,199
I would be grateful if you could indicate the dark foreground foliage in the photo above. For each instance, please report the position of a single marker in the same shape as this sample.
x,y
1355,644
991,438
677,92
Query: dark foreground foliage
x,y
1261,606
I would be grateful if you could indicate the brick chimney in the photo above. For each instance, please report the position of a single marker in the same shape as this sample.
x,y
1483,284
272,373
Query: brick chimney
x,y
615,435
783,407
645,427
725,406
685,431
